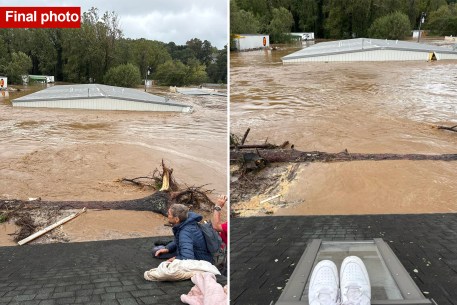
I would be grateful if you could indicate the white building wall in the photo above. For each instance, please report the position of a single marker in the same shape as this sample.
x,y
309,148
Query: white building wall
x,y
252,42
375,55
103,104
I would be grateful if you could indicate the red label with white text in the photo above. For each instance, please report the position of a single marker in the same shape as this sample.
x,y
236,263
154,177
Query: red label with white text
x,y
40,17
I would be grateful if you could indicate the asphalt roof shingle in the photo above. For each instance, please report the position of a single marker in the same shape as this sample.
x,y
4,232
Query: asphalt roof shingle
x,y
102,272
425,242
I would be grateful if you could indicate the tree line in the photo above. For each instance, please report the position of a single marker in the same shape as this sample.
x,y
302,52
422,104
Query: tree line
x,y
97,52
342,19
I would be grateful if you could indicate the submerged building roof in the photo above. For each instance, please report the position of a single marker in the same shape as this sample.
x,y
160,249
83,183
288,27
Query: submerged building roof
x,y
100,97
367,49
199,91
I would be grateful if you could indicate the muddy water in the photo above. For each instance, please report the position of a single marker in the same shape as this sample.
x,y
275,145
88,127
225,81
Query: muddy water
x,y
63,154
389,107
78,154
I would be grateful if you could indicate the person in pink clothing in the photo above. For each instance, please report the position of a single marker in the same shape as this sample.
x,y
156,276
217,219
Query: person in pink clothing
x,y
222,228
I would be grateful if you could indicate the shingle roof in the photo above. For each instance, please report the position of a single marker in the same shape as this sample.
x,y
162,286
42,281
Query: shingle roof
x,y
102,272
265,250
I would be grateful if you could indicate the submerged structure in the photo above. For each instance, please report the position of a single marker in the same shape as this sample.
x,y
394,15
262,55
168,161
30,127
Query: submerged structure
x,y
367,49
199,91
247,42
3,82
99,97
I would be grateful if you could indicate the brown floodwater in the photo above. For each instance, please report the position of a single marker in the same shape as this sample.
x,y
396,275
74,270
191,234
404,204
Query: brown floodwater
x,y
64,154
366,107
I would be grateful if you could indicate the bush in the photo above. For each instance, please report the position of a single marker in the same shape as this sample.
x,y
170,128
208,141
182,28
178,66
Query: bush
x,y
393,26
123,76
443,21
20,65
280,25
172,73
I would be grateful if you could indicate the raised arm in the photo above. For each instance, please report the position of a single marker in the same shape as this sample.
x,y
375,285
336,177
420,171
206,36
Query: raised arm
x,y
216,221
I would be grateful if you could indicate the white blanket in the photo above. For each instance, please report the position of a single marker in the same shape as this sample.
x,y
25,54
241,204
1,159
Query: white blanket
x,y
179,270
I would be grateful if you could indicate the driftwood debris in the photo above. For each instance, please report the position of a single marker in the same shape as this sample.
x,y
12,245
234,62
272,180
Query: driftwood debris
x,y
290,155
452,128
51,227
159,180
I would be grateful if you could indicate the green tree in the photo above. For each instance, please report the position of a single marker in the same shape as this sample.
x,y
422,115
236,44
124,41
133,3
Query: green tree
x,y
443,21
196,73
308,16
181,53
172,73
20,65
281,24
217,71
392,26
123,76
201,50
241,21
148,53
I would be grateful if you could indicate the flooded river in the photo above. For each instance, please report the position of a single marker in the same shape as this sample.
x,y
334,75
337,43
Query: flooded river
x,y
63,154
387,107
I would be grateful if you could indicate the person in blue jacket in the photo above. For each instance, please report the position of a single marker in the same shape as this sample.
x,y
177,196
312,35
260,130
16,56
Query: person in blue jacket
x,y
189,242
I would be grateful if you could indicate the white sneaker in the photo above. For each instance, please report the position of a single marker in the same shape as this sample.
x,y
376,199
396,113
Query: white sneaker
x,y
323,286
355,283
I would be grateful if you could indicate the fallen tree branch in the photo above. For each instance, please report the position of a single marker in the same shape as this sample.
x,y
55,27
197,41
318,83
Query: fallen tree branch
x,y
51,227
245,136
260,146
289,155
159,202
453,128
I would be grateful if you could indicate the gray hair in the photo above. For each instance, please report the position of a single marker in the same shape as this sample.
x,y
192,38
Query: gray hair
x,y
179,210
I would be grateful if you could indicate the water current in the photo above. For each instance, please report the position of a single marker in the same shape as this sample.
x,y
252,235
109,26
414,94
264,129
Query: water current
x,y
64,154
365,107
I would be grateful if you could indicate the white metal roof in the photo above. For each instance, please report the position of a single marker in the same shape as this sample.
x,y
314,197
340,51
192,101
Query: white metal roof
x,y
96,91
199,91
364,44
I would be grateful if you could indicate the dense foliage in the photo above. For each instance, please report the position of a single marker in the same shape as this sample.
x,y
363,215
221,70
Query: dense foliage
x,y
98,52
123,76
341,19
392,26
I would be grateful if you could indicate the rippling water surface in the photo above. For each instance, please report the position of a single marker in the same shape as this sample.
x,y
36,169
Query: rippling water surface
x,y
48,152
382,107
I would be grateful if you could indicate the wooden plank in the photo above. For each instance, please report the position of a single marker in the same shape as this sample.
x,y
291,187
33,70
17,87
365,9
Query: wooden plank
x,y
271,198
49,228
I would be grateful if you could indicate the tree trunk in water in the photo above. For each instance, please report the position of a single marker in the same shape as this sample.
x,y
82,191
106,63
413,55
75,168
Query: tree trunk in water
x,y
158,202
289,155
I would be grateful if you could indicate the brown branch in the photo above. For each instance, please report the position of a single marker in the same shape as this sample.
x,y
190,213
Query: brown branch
x,y
245,136
448,128
262,146
134,180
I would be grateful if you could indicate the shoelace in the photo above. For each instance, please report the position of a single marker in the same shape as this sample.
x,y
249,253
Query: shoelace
x,y
325,298
353,294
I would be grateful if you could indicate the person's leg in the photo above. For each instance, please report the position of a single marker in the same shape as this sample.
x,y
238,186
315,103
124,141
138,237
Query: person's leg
x,y
354,282
323,286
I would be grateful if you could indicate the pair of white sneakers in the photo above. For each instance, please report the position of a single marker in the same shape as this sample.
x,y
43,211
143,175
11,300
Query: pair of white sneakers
x,y
351,288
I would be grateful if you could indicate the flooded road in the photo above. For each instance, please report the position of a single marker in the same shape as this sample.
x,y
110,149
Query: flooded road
x,y
388,107
63,154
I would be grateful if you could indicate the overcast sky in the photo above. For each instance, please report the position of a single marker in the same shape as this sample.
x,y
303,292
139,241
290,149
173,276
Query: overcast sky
x,y
163,20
